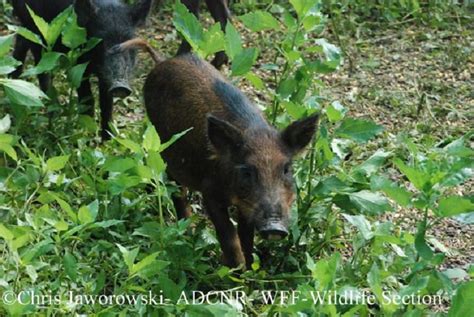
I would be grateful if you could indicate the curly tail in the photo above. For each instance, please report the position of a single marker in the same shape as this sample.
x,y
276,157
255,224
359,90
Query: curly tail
x,y
138,43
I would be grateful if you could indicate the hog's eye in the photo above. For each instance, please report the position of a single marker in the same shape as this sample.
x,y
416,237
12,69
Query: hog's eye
x,y
287,169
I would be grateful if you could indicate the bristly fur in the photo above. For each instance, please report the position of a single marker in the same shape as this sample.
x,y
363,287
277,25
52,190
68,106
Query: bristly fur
x,y
232,155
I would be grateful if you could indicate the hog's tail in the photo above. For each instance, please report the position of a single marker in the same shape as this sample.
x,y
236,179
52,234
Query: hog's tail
x,y
141,44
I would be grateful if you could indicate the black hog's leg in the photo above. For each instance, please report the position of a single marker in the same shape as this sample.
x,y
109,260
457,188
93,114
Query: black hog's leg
x,y
226,232
220,12
181,204
246,234
19,53
86,98
106,105
44,79
193,7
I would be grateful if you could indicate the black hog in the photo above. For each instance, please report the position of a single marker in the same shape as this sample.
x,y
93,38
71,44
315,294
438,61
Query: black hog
x,y
219,10
113,22
231,155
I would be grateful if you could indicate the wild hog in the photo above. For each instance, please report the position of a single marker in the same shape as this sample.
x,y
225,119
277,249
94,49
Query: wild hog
x,y
231,155
110,20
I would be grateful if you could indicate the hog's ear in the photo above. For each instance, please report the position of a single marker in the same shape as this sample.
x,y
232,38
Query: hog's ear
x,y
85,10
139,11
298,134
223,136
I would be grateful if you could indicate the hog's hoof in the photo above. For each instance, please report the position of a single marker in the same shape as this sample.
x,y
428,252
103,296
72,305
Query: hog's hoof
x,y
219,60
238,262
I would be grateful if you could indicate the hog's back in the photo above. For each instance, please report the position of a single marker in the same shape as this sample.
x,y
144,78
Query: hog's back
x,y
178,96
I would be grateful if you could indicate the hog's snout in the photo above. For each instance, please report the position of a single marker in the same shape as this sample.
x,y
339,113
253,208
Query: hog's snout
x,y
120,90
273,230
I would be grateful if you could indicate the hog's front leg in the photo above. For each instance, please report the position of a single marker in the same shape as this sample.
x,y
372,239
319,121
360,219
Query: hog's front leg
x,y
106,105
246,234
226,233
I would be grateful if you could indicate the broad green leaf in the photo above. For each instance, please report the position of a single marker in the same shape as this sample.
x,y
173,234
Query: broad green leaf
x,y
5,233
466,218
457,148
156,163
416,285
5,44
57,163
295,110
48,62
5,124
313,22
61,226
335,112
56,26
187,25
399,194
39,249
128,256
129,144
8,65
329,185
358,130
213,40
31,271
289,21
259,21
369,202
456,273
106,223
88,214
454,205
372,164
119,165
243,61
66,208
40,23
30,36
148,260
374,280
76,74
462,303
151,140
256,81
22,92
119,184
287,87
9,150
331,51
73,35
325,270
362,224
418,178
420,243
233,43
7,138
303,7
70,266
